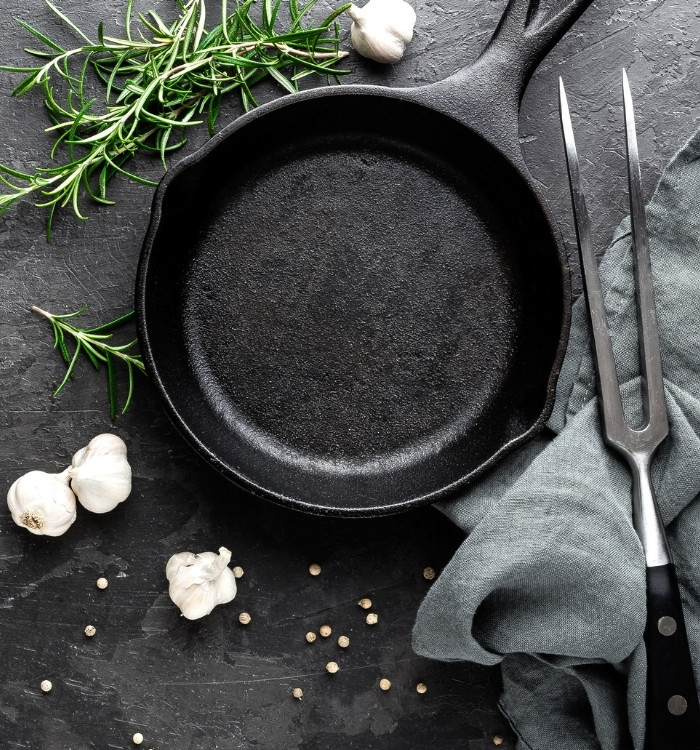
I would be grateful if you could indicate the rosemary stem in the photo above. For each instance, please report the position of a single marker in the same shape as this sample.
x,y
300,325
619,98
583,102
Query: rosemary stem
x,y
244,47
42,312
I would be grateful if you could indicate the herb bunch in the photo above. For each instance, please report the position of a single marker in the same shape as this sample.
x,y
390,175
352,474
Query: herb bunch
x,y
94,343
159,82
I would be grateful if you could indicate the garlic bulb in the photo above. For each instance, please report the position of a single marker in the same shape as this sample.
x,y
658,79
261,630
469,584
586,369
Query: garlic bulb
x,y
100,475
199,582
42,503
382,29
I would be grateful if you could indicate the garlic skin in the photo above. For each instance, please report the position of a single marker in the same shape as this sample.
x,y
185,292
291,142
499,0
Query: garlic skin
x,y
100,475
382,29
199,582
42,503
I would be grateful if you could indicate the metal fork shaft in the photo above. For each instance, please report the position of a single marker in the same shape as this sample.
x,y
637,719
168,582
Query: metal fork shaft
x,y
645,514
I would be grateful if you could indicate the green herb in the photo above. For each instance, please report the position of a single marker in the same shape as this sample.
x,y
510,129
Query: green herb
x,y
159,81
93,343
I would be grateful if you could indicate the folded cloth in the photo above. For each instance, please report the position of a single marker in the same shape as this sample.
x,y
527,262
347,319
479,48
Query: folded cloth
x,y
550,580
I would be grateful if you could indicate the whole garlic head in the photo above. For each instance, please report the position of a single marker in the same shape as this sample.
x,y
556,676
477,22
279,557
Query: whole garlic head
x,y
100,475
42,503
381,29
199,582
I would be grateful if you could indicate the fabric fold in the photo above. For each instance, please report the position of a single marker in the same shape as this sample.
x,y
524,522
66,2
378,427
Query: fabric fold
x,y
550,579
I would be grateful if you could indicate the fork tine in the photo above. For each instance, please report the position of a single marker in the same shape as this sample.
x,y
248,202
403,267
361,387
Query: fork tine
x,y
649,353
613,416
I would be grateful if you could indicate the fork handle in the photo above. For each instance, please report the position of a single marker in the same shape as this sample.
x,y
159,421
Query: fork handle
x,y
673,713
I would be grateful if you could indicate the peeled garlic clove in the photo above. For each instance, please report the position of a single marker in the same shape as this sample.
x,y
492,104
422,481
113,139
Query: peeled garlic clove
x,y
382,29
42,503
199,582
100,475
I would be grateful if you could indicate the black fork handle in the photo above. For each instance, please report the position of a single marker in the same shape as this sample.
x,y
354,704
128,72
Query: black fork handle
x,y
673,712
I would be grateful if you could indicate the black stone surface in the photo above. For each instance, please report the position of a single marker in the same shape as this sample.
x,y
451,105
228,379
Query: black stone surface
x,y
213,683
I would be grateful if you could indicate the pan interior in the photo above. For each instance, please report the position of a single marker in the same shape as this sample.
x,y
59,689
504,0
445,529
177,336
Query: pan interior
x,y
352,278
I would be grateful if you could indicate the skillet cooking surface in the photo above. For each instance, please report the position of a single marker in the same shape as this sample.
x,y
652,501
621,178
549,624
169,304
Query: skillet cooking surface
x,y
369,302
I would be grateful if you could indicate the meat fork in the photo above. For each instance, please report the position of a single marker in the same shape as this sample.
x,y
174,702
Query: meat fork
x,y
673,714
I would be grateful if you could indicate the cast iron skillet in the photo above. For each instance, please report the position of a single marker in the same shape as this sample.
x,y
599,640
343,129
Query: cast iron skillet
x,y
352,300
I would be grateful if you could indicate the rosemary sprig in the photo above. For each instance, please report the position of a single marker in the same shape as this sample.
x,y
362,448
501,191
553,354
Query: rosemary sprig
x,y
158,82
93,343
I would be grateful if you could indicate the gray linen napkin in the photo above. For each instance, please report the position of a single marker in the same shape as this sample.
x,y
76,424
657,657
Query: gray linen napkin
x,y
550,579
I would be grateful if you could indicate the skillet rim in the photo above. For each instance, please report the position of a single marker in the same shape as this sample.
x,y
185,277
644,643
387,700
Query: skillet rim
x,y
417,96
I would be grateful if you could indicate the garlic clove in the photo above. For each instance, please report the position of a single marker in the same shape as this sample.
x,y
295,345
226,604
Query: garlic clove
x,y
381,29
199,582
100,475
43,503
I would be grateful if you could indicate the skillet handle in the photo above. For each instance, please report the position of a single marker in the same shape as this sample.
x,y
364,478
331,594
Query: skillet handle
x,y
486,94
522,40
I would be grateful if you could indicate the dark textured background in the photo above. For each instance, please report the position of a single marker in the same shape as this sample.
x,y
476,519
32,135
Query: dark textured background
x,y
213,683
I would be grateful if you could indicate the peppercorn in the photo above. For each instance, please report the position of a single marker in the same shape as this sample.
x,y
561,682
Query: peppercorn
x,y
310,637
384,684
343,641
46,685
238,571
298,693
325,630
244,618
497,740
137,739
428,574
421,687
372,619
315,569
90,630
332,667
365,603
102,583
